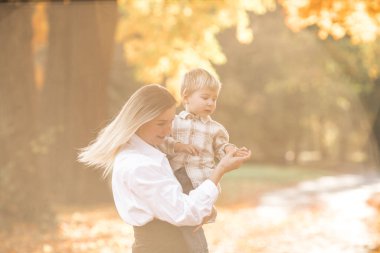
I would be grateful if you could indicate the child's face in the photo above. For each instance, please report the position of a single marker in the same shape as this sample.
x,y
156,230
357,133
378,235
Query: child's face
x,y
201,102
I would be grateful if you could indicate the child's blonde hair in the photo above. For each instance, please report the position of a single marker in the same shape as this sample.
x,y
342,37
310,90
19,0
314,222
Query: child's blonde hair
x,y
198,79
143,106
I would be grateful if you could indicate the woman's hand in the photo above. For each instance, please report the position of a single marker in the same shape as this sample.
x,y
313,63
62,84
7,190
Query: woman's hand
x,y
229,162
207,219
234,160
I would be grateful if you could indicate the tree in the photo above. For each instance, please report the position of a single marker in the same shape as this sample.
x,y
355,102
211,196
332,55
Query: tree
x,y
290,95
164,38
187,33
23,195
357,19
184,32
53,90
74,99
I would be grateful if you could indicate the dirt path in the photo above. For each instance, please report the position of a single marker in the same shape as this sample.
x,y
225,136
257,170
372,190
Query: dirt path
x,y
325,215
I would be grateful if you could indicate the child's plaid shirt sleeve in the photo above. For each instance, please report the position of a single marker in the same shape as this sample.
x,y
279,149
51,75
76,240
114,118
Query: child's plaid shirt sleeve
x,y
167,146
221,141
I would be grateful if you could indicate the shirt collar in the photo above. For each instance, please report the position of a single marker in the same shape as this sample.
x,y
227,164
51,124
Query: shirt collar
x,y
136,142
189,115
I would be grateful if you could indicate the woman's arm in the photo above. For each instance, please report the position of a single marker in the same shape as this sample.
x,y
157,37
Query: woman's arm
x,y
160,194
228,163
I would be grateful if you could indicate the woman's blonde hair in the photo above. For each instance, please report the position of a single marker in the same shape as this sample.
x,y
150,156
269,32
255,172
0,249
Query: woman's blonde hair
x,y
143,106
198,79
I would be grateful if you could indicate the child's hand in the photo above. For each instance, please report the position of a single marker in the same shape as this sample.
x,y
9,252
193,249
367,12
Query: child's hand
x,y
237,152
241,152
230,148
186,148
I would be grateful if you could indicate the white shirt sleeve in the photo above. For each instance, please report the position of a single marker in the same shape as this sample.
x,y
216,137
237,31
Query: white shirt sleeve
x,y
161,193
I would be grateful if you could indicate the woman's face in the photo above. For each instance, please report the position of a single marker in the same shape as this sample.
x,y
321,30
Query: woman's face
x,y
154,131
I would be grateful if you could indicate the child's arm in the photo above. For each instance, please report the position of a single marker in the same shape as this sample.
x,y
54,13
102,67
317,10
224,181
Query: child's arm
x,y
185,148
221,143
231,148
171,146
222,146
168,145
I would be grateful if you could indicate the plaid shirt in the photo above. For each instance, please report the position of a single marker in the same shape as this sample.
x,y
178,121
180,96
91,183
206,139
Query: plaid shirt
x,y
207,135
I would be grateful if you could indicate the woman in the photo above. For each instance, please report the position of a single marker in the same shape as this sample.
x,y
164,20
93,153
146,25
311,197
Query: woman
x,y
146,192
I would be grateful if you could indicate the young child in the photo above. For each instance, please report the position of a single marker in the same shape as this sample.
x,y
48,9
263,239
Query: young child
x,y
196,142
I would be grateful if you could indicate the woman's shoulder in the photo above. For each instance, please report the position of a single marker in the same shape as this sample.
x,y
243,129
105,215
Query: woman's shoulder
x,y
132,159
131,164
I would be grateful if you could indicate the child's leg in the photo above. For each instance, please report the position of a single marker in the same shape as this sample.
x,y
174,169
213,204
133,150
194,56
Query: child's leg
x,y
184,180
196,241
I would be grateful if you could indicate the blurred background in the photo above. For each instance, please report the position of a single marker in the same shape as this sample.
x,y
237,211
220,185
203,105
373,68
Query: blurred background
x,y
301,88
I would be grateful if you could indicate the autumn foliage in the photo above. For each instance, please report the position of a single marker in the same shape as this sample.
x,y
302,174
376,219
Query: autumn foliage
x,y
162,39
358,19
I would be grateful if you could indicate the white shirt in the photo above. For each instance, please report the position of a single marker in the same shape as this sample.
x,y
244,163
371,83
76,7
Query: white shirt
x,y
144,187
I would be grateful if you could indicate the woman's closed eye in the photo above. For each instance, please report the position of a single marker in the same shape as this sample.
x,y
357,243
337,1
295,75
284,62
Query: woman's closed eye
x,y
162,123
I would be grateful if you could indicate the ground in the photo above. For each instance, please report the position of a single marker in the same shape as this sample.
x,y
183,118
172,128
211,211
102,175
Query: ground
x,y
330,214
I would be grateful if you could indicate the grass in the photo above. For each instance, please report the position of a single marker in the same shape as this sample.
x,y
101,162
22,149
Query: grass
x,y
278,173
245,185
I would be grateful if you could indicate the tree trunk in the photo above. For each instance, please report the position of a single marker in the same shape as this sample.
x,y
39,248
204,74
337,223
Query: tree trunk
x,y
74,99
22,195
